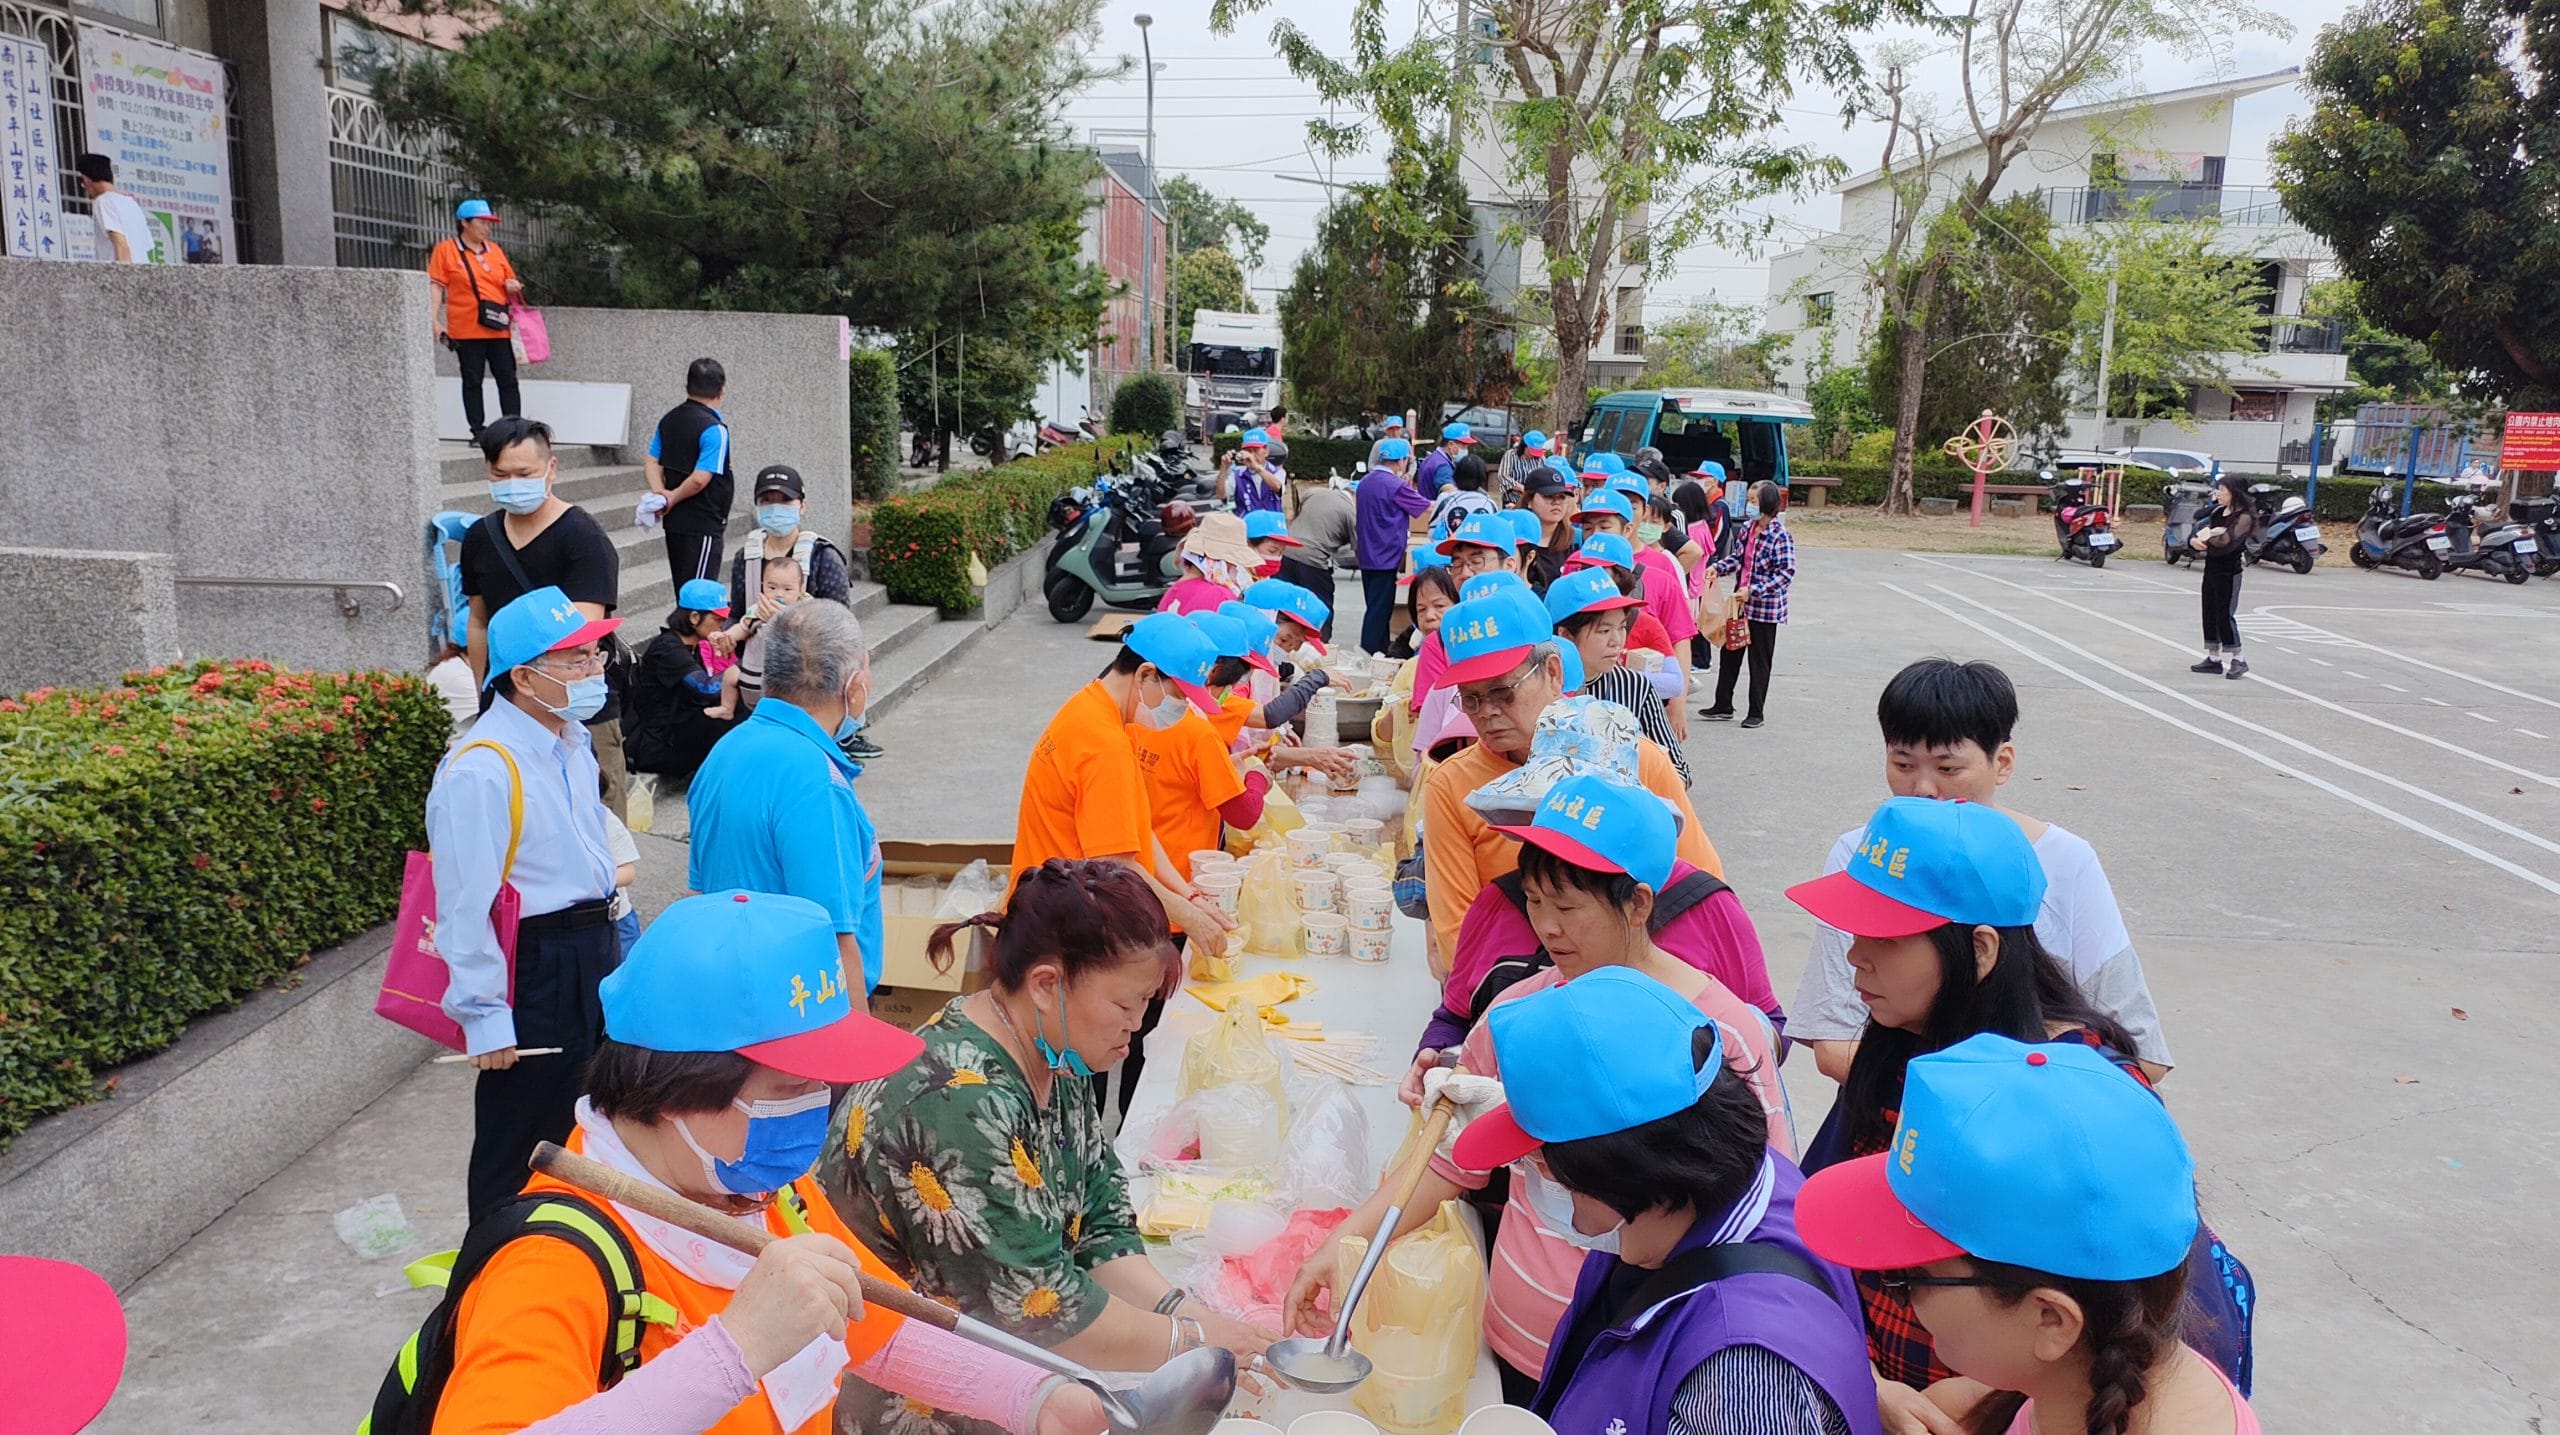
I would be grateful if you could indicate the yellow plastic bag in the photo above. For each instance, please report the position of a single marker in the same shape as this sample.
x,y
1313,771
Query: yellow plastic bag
x,y
1267,910
1218,961
1419,1324
1236,1052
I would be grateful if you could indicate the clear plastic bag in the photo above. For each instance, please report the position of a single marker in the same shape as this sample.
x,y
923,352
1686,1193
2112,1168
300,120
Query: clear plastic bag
x,y
972,890
1267,912
1324,1161
1419,1323
1238,1051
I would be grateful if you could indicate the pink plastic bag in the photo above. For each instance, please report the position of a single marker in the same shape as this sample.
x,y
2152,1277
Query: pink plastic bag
x,y
532,333
415,977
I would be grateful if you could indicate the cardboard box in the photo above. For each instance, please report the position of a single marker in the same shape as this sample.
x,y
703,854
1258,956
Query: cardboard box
x,y
913,879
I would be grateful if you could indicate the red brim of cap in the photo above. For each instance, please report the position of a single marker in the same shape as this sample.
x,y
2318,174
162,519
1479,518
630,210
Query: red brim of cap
x,y
1493,1141
1842,901
1200,697
1262,661
1605,604
62,1343
1262,447
595,628
1849,1215
1282,539
858,1047
1447,546
1313,640
1481,667
1586,515
1557,843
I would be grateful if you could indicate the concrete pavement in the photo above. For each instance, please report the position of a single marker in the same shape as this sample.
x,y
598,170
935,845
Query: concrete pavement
x,y
2343,876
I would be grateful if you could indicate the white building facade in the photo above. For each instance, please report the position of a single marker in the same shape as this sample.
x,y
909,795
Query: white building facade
x,y
2161,156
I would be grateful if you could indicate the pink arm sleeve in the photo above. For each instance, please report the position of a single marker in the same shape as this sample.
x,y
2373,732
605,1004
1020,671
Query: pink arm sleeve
x,y
957,1377
683,1392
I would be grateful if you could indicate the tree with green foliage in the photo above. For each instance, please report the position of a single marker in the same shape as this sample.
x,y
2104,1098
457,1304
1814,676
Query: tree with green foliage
x,y
1202,220
2185,309
854,157
871,390
1146,404
2430,162
2383,367
1205,279
1710,344
1630,129
964,388
1387,308
2000,332
1843,406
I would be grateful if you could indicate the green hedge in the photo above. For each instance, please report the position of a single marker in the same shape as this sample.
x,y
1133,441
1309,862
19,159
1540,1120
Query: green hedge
x,y
1147,405
871,388
1316,457
172,844
921,542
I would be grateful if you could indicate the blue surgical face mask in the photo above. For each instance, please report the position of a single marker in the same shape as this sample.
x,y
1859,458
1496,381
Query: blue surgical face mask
x,y
778,519
586,699
1553,1206
1065,1060
784,1140
518,496
853,723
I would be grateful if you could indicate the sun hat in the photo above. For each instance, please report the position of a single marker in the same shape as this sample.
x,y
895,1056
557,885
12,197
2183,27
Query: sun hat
x,y
1265,523
1259,629
1526,531
1221,536
1534,442
1922,864
1607,826
1490,636
1180,651
2049,1157
539,622
1576,736
1480,530
1394,450
1588,590
754,973
1457,433
1604,504
1611,549
62,1343
704,595
1606,1052
1254,438
1282,598
474,209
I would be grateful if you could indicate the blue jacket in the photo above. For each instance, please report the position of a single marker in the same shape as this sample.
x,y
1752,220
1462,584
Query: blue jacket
x,y
774,811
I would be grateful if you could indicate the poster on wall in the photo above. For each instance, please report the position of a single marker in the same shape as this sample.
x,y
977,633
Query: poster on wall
x,y
160,113
31,223
2530,443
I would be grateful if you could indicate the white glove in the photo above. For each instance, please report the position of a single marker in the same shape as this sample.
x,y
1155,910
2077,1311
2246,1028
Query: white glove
x,y
646,516
1469,1096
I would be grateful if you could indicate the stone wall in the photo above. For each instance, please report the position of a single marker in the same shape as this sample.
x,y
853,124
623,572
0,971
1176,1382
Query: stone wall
x,y
786,401
245,421
84,619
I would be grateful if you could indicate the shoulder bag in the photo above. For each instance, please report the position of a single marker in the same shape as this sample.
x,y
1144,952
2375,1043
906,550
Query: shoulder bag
x,y
1737,628
414,980
493,312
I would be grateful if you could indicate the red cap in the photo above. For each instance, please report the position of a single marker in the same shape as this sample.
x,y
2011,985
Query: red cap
x,y
62,1344
854,1047
1492,1141
1314,640
1850,1217
1842,901
593,629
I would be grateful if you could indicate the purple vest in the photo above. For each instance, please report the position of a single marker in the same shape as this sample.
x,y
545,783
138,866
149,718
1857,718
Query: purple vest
x,y
1630,1374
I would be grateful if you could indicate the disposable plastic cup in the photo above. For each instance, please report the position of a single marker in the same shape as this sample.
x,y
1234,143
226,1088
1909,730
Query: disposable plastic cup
x,y
1365,833
1351,864
1224,888
1331,1422
1328,933
1319,890
1366,908
1211,859
1309,844
1371,944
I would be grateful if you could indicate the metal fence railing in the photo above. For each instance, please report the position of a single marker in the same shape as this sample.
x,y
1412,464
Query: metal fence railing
x,y
2231,204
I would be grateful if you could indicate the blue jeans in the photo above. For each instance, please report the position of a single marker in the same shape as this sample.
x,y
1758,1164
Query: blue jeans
x,y
626,930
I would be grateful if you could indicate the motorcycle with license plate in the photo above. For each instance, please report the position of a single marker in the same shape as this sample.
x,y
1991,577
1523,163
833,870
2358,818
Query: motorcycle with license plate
x,y
1118,540
2417,543
2286,533
2083,526
2502,550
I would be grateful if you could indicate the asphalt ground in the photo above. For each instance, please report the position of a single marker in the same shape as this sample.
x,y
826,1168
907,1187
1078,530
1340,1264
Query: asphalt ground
x,y
2342,874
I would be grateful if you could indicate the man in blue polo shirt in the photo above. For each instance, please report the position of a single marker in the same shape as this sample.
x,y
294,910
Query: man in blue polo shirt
x,y
773,806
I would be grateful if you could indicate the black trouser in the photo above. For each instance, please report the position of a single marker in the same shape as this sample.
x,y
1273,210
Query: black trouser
x,y
491,356
2222,610
1378,599
560,958
1763,650
692,555
1316,578
1519,1387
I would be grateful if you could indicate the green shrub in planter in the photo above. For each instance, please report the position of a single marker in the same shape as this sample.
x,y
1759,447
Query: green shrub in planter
x,y
871,386
172,844
1146,405
921,542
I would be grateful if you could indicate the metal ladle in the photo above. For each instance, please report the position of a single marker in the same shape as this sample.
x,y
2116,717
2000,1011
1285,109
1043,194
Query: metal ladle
x,y
1185,1395
1330,1366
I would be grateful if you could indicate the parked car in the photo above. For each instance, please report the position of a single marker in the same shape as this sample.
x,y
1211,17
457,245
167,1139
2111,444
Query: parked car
x,y
2180,461
2089,461
1493,427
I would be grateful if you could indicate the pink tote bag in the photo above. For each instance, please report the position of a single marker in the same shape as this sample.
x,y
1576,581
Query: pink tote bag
x,y
414,980
532,334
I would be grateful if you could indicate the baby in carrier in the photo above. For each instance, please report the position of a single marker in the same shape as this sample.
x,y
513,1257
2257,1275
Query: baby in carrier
x,y
742,684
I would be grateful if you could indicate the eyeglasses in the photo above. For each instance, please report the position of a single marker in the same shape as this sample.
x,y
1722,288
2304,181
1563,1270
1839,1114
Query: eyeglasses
x,y
1498,696
1900,1283
574,667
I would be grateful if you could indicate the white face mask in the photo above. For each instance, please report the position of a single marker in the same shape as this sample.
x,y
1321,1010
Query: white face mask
x,y
1553,1206
1166,713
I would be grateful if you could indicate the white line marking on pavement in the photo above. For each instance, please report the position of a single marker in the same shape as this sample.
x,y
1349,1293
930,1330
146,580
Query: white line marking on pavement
x,y
2359,677
2324,662
2261,679
2528,732
2395,687
2439,702
2290,653
2423,663
2483,717
2386,813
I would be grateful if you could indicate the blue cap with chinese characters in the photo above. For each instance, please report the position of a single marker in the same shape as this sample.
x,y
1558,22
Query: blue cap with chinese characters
x,y
1922,864
1490,636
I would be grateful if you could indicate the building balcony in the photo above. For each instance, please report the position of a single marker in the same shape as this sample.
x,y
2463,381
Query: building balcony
x,y
2307,336
2146,199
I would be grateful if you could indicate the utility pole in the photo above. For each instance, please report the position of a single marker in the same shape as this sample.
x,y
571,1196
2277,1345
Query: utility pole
x,y
1147,242
2106,352
1465,55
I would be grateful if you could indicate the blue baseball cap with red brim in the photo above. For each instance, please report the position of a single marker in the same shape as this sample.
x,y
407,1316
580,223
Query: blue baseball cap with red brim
x,y
1179,650
1265,523
1481,530
1259,628
1921,864
1604,504
1490,636
1605,826
539,622
1611,549
1283,599
1589,590
1606,1052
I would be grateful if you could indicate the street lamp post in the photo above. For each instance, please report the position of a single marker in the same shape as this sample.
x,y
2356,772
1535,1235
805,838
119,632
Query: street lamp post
x,y
1147,250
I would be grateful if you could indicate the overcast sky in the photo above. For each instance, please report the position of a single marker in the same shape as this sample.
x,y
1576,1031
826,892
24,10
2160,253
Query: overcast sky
x,y
1229,114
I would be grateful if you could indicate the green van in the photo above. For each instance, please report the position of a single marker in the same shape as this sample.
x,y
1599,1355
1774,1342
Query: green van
x,y
1692,424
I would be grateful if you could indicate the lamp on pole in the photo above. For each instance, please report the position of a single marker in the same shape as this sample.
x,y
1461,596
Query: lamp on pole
x,y
1147,249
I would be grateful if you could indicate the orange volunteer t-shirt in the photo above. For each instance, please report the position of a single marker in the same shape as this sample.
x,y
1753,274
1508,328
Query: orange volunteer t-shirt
x,y
490,268
532,1329
1082,796
1461,851
1188,776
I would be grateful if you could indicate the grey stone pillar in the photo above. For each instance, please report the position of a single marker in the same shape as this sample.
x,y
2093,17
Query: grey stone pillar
x,y
284,111
81,619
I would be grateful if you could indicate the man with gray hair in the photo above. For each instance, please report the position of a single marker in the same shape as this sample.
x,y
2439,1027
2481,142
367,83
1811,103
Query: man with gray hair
x,y
773,806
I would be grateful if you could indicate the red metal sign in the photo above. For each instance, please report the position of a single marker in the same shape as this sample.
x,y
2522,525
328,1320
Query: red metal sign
x,y
2531,443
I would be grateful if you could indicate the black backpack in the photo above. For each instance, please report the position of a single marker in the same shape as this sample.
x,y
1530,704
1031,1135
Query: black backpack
x,y
1676,901
414,1387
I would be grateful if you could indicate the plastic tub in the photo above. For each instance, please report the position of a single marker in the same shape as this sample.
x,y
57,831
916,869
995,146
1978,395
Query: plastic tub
x,y
1239,1228
1308,845
1371,944
1328,933
1319,890
1226,888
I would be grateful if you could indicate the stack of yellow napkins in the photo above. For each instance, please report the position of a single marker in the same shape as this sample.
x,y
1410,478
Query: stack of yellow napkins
x,y
1266,992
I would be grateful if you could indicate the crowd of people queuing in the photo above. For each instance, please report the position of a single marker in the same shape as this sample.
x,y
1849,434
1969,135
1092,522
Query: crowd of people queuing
x,y
1994,1228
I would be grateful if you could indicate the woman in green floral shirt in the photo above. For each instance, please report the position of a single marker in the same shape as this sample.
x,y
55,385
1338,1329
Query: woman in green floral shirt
x,y
981,1171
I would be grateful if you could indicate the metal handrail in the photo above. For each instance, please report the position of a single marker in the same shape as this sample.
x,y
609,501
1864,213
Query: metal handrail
x,y
348,603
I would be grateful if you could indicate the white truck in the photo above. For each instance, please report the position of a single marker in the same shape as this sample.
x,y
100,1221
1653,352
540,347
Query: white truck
x,y
1235,370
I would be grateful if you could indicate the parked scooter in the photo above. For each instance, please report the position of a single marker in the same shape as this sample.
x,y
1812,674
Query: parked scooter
x,y
2285,533
2542,516
2505,550
2182,510
2082,526
2386,540
1117,541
